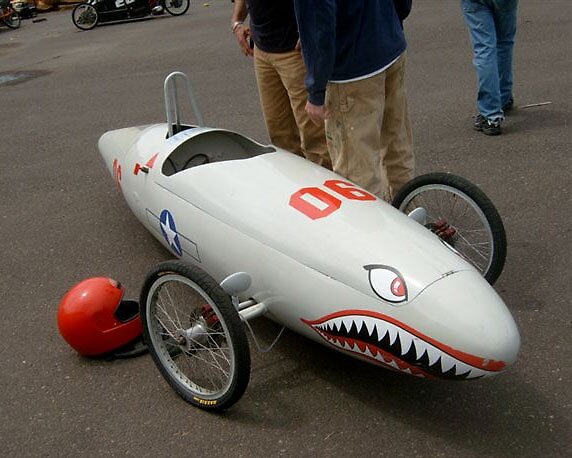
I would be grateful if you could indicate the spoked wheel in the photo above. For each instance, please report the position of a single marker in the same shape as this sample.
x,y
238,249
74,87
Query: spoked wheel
x,y
13,20
462,216
177,7
85,16
195,335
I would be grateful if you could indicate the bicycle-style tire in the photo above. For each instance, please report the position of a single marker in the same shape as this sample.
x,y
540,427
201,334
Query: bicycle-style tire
x,y
479,234
14,21
177,7
195,335
85,16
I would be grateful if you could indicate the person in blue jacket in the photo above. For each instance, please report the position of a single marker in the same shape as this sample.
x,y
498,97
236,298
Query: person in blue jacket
x,y
354,52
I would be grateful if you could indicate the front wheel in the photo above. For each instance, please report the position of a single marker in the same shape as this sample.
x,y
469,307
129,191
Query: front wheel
x,y
12,19
85,16
195,335
177,7
462,216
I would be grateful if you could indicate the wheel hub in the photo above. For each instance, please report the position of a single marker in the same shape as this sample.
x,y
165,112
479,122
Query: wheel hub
x,y
189,339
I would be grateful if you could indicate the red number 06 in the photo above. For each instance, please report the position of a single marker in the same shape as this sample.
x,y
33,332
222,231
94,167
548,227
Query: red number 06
x,y
316,203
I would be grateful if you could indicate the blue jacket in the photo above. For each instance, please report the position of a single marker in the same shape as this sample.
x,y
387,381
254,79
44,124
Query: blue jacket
x,y
346,39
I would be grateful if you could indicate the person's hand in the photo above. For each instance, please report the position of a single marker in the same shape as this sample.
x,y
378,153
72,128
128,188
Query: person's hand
x,y
318,113
242,35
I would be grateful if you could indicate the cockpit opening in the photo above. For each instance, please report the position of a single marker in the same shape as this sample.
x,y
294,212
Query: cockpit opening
x,y
212,146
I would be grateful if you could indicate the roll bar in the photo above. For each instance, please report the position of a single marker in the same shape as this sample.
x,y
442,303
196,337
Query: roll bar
x,y
172,106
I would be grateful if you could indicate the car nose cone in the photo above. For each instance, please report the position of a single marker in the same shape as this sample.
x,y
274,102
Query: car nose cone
x,y
115,143
463,319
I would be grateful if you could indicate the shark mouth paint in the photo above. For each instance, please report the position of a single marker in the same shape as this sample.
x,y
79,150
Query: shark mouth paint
x,y
390,343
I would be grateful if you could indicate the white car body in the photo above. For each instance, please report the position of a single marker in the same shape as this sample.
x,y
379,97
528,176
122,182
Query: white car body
x,y
326,259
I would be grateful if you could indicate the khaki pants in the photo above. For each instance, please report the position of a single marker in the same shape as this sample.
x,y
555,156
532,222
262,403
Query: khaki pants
x,y
369,132
280,78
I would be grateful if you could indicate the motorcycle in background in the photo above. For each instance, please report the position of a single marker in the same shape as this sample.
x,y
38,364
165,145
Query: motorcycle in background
x,y
87,15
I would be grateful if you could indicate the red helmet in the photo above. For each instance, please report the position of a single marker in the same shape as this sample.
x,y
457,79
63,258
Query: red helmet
x,y
94,320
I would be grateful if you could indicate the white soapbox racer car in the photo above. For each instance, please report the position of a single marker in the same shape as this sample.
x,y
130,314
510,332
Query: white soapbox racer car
x,y
262,232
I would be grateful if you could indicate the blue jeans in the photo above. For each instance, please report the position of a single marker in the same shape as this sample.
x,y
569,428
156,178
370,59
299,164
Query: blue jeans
x,y
492,27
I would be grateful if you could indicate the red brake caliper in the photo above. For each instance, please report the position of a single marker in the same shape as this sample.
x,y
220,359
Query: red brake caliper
x,y
443,230
209,315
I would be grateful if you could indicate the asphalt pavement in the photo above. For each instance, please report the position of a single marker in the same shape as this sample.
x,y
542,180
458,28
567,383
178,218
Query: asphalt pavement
x,y
61,220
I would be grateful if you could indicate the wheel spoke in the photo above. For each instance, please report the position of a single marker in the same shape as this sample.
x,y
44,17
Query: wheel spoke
x,y
168,316
168,294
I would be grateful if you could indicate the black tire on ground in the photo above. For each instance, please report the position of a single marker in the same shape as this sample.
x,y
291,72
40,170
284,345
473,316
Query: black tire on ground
x,y
479,234
177,7
85,16
13,21
195,335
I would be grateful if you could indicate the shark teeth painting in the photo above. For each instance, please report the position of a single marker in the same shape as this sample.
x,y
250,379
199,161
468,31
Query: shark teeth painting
x,y
390,343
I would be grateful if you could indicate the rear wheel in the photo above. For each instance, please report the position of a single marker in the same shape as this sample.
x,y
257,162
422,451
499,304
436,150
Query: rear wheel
x,y
85,16
177,7
195,335
13,20
462,216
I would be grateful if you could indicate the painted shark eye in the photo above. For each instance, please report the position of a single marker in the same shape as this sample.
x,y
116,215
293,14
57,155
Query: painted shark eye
x,y
387,283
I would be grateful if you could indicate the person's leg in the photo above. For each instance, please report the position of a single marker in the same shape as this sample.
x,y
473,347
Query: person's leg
x,y
280,122
505,20
292,71
480,21
396,135
353,132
